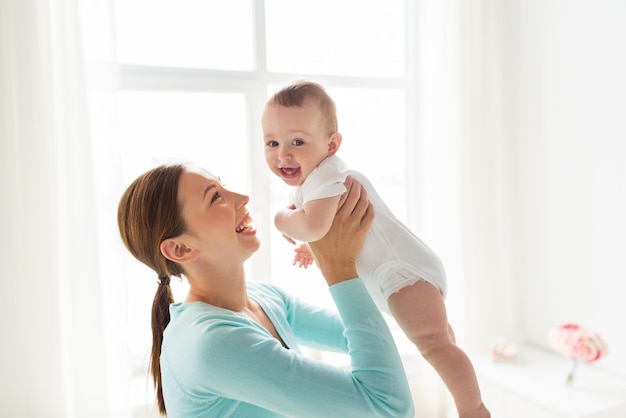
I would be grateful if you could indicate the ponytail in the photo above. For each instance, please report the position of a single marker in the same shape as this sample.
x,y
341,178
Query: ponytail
x,y
160,318
147,214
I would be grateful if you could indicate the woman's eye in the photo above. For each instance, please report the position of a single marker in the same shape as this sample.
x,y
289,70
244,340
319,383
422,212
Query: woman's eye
x,y
216,196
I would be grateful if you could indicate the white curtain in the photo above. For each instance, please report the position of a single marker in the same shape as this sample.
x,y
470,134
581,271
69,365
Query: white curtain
x,y
439,134
458,91
63,350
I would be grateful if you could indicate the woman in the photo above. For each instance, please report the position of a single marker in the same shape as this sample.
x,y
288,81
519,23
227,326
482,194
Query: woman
x,y
232,347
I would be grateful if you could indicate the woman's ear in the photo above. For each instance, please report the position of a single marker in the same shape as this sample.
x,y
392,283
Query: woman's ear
x,y
334,143
175,250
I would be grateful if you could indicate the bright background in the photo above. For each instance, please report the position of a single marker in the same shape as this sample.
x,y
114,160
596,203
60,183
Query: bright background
x,y
494,129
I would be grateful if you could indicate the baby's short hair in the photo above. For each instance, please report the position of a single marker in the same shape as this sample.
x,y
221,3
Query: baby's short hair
x,y
299,92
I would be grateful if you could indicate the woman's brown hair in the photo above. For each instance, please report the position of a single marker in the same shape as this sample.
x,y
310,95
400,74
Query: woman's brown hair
x,y
149,213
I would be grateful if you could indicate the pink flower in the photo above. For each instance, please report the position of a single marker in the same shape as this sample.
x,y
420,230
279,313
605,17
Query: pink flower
x,y
576,342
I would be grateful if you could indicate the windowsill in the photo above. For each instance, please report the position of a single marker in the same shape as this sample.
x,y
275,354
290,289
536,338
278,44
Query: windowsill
x,y
538,382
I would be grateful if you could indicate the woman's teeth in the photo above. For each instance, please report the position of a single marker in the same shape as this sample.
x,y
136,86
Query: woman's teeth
x,y
245,225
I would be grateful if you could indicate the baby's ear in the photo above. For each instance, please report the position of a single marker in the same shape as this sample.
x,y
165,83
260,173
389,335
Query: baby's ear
x,y
334,143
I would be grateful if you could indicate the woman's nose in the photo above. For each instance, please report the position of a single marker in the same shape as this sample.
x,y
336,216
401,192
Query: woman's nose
x,y
241,200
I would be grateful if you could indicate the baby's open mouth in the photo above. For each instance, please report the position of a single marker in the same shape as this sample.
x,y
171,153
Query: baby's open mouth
x,y
288,172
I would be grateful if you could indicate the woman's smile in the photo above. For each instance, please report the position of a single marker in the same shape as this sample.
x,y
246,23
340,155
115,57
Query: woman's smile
x,y
246,227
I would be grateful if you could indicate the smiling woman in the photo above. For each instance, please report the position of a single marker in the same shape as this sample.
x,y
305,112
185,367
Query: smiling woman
x,y
232,347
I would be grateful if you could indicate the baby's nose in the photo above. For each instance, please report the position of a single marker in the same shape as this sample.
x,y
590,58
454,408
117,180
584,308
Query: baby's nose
x,y
284,154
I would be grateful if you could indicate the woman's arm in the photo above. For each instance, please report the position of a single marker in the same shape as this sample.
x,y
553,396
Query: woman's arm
x,y
243,364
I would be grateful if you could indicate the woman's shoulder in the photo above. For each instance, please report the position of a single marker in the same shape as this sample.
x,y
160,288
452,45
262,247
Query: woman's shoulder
x,y
196,328
269,296
203,340
195,320
265,289
199,318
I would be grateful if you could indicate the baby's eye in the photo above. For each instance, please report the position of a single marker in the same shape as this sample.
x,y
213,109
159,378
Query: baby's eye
x,y
297,142
272,144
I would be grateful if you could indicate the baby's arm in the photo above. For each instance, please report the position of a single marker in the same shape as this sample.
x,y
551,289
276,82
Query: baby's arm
x,y
309,223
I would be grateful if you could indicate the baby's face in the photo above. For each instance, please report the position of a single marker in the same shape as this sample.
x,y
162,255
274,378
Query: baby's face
x,y
296,141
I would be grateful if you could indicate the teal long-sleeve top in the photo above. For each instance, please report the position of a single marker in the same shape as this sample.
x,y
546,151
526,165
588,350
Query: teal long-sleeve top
x,y
219,363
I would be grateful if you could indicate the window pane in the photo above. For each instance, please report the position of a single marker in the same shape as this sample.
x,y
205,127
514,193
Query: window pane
x,y
373,125
348,37
209,129
186,33
372,122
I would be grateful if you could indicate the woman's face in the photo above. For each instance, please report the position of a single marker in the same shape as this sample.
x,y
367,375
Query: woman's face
x,y
217,222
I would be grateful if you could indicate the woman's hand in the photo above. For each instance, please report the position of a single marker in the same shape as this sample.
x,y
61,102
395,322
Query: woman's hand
x,y
336,253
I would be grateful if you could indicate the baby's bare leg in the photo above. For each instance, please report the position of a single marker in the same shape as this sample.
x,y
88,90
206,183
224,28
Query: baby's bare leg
x,y
420,311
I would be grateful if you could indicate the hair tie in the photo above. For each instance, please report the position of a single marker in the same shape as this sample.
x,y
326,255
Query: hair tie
x,y
164,280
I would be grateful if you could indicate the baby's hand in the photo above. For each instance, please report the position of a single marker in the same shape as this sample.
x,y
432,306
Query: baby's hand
x,y
303,256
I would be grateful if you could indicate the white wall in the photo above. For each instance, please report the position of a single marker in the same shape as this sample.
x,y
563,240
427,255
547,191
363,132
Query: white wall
x,y
563,128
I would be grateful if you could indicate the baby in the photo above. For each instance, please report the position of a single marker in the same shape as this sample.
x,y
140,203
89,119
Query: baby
x,y
403,275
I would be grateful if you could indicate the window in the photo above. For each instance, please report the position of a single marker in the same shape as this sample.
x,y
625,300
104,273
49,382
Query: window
x,y
195,75
346,38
